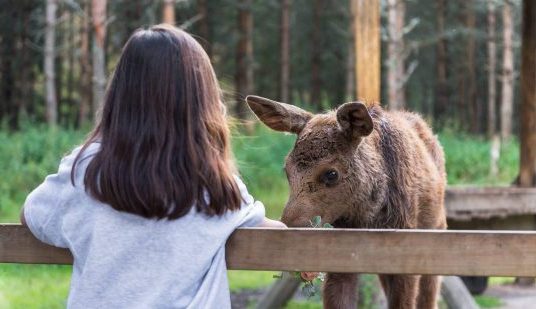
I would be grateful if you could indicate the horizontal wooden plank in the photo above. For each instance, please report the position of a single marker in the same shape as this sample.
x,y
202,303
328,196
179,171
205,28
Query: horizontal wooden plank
x,y
18,245
467,203
486,253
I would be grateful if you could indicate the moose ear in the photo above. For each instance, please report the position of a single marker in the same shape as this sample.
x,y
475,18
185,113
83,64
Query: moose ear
x,y
279,116
354,119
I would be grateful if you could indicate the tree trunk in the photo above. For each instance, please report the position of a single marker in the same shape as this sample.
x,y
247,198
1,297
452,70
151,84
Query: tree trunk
x,y
26,76
284,82
7,72
84,86
527,173
59,65
168,12
441,90
316,49
507,100
367,49
244,58
395,54
70,61
98,11
50,53
204,26
492,64
349,94
470,99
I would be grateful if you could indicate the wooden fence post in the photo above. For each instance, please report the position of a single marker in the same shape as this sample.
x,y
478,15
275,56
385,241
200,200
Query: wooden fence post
x,y
456,294
279,293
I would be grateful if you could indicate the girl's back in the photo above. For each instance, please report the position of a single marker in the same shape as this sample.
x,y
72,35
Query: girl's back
x,y
148,202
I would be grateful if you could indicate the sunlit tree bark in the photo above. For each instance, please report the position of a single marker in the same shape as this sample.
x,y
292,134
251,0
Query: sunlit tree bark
x,y
50,54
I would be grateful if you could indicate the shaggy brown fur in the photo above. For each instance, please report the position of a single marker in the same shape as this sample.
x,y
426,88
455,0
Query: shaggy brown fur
x,y
360,167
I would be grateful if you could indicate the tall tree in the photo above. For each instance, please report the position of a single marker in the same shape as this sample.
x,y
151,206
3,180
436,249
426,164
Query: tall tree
x,y
168,12
367,49
244,57
507,100
527,175
98,12
470,49
396,72
284,78
84,86
70,56
492,64
26,74
441,88
316,49
350,57
50,54
527,167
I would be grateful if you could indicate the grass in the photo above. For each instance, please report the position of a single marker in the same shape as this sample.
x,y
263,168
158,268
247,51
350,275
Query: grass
x,y
244,279
485,301
34,286
467,160
28,155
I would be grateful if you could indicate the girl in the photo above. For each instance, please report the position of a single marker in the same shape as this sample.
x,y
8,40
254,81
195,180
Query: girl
x,y
148,202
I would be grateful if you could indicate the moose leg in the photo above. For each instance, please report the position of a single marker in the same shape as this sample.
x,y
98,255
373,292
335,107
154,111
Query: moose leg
x,y
340,291
400,290
428,292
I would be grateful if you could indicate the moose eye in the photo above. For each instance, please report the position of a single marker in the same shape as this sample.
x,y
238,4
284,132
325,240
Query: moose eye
x,y
330,178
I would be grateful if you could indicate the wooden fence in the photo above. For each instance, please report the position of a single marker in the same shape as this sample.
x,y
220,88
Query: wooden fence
x,y
484,253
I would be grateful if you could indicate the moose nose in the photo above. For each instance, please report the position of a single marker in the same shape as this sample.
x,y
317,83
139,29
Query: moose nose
x,y
295,219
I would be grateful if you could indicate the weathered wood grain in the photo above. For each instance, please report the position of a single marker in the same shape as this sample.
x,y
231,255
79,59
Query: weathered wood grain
x,y
484,253
467,203
367,49
18,245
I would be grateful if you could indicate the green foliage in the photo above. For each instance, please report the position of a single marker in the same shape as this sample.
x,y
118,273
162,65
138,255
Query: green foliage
x,y
303,305
468,160
260,158
485,301
242,279
501,280
368,290
26,157
34,286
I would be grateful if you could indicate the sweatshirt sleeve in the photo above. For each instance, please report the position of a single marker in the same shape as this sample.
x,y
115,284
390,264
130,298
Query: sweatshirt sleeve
x,y
251,212
47,205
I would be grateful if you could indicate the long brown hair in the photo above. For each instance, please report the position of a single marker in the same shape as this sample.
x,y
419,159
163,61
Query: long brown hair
x,y
163,133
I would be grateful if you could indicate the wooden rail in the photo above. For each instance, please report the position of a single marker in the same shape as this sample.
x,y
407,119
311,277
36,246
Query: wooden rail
x,y
485,253
469,203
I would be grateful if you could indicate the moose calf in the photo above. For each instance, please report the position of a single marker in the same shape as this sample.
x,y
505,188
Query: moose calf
x,y
362,167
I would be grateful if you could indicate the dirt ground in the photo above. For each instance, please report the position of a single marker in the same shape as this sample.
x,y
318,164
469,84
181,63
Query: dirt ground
x,y
514,297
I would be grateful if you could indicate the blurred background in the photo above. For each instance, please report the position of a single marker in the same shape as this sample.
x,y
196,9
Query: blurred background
x,y
456,62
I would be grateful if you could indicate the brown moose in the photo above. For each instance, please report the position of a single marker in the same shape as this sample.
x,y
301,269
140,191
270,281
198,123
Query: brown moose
x,y
360,167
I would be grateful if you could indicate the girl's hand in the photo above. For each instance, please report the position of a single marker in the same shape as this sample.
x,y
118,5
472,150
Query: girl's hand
x,y
308,276
272,223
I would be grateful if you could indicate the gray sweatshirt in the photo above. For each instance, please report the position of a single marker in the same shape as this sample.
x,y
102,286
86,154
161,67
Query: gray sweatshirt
x,y
122,260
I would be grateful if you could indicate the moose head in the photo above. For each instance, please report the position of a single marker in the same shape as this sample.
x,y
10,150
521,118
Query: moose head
x,y
331,172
